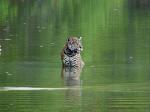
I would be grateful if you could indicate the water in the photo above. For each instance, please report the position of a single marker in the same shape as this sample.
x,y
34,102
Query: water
x,y
116,53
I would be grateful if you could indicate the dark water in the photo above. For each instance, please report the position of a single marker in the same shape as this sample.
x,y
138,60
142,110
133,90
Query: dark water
x,y
116,40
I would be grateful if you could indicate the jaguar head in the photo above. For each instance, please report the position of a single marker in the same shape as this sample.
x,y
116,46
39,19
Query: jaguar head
x,y
75,44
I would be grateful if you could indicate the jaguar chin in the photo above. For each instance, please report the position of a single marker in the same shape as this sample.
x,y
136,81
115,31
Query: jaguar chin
x,y
71,53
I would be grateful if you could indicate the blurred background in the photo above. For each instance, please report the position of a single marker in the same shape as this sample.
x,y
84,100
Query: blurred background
x,y
116,41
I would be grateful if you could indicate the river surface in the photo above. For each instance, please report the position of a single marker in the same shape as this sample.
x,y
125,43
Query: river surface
x,y
116,41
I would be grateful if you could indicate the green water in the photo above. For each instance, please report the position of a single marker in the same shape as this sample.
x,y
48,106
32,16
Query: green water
x,y
116,40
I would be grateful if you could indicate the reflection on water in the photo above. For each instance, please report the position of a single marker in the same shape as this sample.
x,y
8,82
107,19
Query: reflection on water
x,y
71,77
0,50
116,39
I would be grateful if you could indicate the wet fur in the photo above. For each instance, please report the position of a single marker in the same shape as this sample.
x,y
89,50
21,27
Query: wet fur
x,y
63,55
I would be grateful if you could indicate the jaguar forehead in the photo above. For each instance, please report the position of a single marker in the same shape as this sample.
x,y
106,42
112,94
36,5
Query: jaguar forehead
x,y
73,38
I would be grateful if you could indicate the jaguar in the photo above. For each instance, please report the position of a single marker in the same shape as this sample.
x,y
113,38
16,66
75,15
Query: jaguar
x,y
71,53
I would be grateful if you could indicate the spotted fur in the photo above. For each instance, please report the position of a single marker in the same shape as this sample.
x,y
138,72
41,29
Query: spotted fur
x,y
71,53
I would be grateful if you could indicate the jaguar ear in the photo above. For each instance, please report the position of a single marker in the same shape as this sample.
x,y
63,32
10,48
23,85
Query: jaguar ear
x,y
68,39
80,38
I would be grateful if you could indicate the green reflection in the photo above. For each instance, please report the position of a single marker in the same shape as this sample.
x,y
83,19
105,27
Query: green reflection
x,y
116,52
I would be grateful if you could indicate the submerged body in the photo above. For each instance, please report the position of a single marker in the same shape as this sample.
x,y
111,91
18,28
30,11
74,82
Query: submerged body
x,y
71,53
